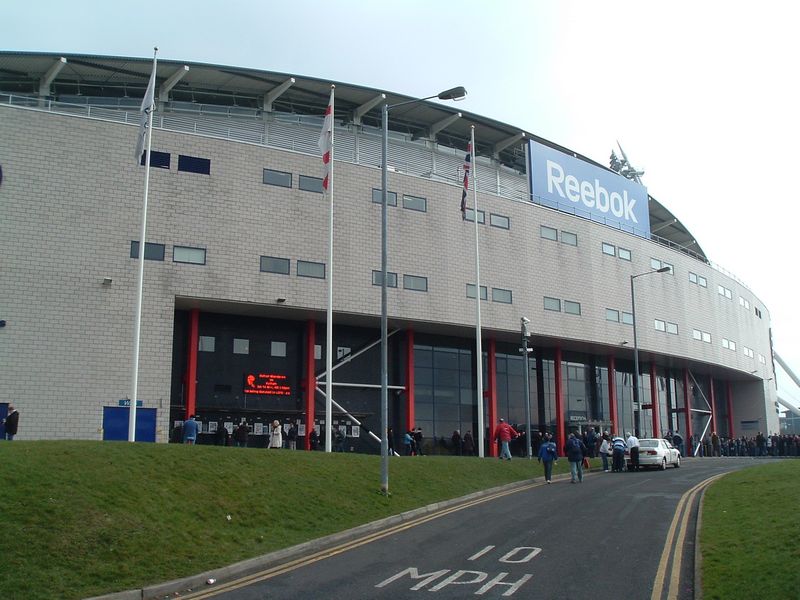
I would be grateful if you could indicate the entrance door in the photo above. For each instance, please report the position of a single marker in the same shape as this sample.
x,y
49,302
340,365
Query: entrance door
x,y
115,423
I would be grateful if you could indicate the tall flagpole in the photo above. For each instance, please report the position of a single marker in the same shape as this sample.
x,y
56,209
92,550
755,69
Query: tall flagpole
x,y
478,347
329,338
137,328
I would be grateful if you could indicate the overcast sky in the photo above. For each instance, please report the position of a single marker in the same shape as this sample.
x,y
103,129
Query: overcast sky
x,y
702,95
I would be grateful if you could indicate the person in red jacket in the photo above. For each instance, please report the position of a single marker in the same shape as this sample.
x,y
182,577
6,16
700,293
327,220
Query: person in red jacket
x,y
505,433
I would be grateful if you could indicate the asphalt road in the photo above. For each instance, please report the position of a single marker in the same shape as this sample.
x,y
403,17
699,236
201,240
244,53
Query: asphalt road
x,y
616,535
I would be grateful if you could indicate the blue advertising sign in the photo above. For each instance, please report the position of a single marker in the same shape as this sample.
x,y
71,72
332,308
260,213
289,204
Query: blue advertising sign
x,y
127,402
580,188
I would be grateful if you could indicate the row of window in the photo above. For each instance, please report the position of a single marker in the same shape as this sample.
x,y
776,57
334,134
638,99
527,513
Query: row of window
x,y
744,303
283,266
180,254
570,306
723,291
188,164
208,343
657,264
666,326
495,220
617,316
612,250
698,279
498,294
284,179
551,233
729,344
416,283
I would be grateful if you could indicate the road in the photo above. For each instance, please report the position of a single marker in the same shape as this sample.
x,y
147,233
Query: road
x,y
616,535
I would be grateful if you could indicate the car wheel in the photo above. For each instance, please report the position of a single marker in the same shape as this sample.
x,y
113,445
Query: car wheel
x,y
663,464
678,462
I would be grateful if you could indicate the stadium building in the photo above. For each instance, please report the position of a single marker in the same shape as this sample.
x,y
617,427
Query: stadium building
x,y
236,268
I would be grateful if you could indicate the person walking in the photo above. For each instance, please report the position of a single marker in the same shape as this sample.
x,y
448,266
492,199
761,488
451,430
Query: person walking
x,y
575,450
11,423
548,455
408,443
291,436
505,433
605,452
276,435
633,446
240,435
190,430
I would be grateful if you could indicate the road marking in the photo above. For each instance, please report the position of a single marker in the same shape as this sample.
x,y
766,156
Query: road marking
x,y
366,539
681,519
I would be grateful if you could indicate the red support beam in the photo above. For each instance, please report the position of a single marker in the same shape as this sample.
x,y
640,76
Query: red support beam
x,y
687,405
560,430
654,401
191,362
713,402
410,417
612,395
310,380
729,399
491,396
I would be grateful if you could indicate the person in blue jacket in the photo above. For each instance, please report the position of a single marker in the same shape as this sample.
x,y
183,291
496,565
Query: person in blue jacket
x,y
547,456
190,430
575,450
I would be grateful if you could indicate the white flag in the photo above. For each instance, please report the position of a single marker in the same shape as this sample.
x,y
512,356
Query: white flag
x,y
325,142
147,108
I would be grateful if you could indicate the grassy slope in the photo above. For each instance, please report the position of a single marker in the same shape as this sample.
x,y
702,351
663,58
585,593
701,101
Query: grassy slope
x,y
750,534
84,518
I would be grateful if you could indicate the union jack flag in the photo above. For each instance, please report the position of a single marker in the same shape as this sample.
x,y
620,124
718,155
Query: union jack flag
x,y
467,167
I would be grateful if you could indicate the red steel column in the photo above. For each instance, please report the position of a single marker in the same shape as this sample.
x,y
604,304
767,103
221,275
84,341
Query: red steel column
x,y
191,362
410,417
560,430
491,392
687,403
612,395
730,409
713,403
654,401
310,379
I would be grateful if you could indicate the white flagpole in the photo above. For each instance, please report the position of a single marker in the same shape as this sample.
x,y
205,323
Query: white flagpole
x,y
137,328
329,339
478,346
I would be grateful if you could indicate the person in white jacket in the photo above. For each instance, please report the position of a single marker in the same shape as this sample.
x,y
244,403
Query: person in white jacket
x,y
605,451
276,435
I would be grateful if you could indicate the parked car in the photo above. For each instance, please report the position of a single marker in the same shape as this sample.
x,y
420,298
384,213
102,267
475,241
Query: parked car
x,y
656,453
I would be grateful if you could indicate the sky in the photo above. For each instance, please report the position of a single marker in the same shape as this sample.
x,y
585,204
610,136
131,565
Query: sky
x,y
703,96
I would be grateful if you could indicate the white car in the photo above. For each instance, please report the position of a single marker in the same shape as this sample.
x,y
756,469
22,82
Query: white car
x,y
657,453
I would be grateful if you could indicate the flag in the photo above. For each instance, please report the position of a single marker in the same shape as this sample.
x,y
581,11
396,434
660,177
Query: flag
x,y
467,167
147,107
325,144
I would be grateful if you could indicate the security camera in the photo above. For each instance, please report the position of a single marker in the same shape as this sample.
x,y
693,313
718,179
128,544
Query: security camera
x,y
525,320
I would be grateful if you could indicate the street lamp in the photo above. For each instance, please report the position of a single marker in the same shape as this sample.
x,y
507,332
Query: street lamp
x,y
637,423
525,351
456,93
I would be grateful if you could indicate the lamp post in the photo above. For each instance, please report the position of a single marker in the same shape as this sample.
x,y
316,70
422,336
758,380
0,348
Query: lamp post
x,y
637,423
525,350
456,93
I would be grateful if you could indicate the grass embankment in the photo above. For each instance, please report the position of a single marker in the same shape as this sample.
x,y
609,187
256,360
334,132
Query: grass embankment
x,y
750,534
84,518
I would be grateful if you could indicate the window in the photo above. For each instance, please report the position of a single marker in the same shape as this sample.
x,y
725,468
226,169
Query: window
x,y
660,325
471,291
726,343
342,351
273,264
569,238
206,343
672,328
552,304
572,308
748,352
612,315
415,283
501,295
609,249
377,197
192,164
310,269
151,251
762,359
655,264
692,277
548,233
744,302
723,291
624,253
668,266
627,318
733,345
702,281
317,351
279,349
159,160
391,278
706,337
415,203
184,254
279,178
499,221
697,334
310,184
241,346
469,216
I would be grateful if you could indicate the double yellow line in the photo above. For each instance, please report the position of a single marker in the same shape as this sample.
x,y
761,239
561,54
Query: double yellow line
x,y
367,539
674,546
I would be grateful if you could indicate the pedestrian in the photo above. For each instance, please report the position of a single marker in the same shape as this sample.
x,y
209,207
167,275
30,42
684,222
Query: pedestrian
x,y
291,436
605,452
340,438
715,446
455,440
390,441
240,435
313,438
548,455
418,441
11,423
408,443
591,441
618,454
222,434
276,435
469,444
575,450
505,433
190,430
633,447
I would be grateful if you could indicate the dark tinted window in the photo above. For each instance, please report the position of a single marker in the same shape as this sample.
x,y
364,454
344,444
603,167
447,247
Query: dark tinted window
x,y
192,164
